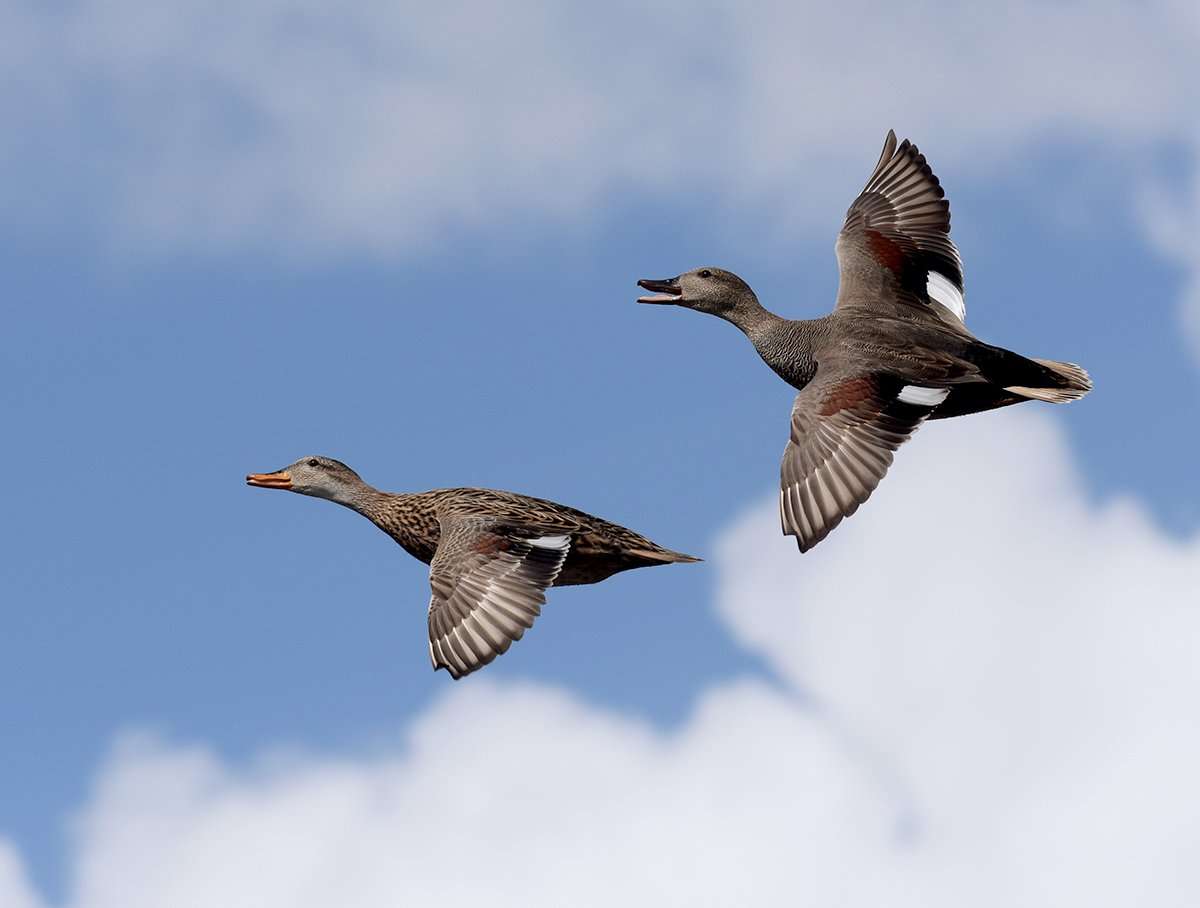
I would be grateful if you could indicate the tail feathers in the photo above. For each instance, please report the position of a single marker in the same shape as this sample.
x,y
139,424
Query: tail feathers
x,y
1072,383
664,556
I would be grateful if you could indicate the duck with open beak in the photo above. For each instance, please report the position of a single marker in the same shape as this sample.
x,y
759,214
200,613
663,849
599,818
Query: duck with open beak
x,y
894,352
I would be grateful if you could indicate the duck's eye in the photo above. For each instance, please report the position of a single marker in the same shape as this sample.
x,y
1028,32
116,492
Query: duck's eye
x,y
706,273
313,462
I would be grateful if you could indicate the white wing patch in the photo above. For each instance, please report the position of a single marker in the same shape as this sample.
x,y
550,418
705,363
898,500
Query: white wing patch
x,y
551,542
923,397
941,288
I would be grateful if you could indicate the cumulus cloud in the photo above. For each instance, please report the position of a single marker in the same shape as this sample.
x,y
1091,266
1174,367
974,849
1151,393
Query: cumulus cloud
x,y
987,696
1020,655
303,127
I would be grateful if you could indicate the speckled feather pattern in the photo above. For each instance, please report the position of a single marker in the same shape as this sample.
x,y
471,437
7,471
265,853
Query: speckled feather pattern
x,y
599,548
491,554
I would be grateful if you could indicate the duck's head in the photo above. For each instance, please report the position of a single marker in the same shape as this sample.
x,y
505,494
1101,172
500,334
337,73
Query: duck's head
x,y
712,290
321,477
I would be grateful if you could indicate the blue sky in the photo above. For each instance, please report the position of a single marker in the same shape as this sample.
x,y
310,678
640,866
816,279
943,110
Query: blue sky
x,y
379,239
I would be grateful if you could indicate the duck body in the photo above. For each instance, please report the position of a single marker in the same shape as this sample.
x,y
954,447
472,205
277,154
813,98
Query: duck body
x,y
894,352
492,554
909,351
598,548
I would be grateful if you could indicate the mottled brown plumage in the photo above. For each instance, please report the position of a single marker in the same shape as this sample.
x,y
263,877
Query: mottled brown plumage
x,y
492,554
599,548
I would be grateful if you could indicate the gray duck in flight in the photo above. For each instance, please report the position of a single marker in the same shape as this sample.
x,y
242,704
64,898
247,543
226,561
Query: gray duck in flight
x,y
894,352
491,554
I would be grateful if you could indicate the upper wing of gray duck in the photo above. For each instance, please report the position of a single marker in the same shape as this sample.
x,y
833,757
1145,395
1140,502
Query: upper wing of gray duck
x,y
489,581
894,250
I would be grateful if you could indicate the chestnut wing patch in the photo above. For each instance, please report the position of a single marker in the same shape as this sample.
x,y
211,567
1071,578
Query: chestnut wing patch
x,y
894,249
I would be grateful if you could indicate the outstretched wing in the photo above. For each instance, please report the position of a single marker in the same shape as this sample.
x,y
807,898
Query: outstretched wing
x,y
844,430
894,251
489,583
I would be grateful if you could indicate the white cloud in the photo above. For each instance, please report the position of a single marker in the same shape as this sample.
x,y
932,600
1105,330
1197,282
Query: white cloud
x,y
319,129
1022,657
997,686
517,795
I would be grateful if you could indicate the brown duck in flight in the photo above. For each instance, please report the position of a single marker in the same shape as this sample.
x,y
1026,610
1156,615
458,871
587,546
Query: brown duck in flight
x,y
491,554
894,352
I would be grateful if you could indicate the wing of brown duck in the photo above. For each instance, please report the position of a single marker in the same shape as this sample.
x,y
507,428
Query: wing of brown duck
x,y
894,250
489,583
844,430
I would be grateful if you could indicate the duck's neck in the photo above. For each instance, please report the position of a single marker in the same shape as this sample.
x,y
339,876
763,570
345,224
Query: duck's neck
x,y
784,344
755,321
403,516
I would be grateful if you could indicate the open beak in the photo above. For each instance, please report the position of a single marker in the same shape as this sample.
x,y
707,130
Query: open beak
x,y
661,292
279,480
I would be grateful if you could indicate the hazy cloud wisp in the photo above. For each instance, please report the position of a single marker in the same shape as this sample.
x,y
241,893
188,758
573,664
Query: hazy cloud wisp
x,y
305,128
